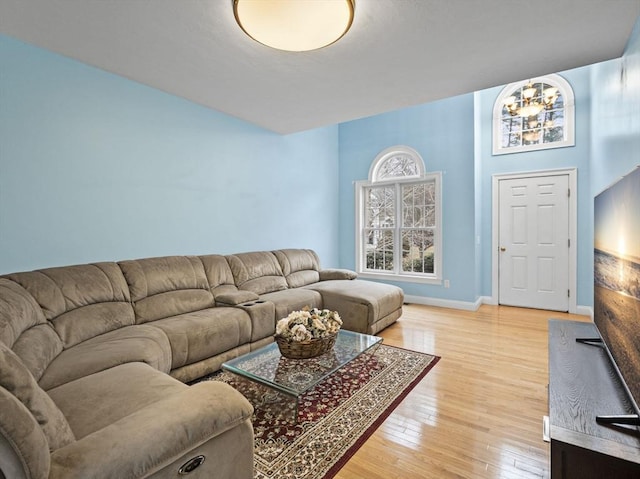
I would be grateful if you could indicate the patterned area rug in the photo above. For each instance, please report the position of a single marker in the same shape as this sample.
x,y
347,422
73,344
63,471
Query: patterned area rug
x,y
334,419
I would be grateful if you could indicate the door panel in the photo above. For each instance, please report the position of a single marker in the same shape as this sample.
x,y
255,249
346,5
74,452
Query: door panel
x,y
519,271
546,268
534,235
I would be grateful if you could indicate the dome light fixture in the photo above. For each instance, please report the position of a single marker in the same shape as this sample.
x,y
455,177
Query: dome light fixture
x,y
294,25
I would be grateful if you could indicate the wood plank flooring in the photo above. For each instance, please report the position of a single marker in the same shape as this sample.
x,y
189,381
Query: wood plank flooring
x,y
478,413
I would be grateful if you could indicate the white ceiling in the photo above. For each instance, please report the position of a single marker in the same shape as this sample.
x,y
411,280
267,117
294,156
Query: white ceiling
x,y
398,52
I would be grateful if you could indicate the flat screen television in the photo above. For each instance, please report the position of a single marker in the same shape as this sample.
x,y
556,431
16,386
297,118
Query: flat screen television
x,y
616,302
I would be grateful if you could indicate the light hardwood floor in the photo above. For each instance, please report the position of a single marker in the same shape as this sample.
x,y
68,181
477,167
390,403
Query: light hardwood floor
x,y
478,413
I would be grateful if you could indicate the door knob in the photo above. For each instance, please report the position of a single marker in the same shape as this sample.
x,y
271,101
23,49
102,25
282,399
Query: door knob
x,y
502,248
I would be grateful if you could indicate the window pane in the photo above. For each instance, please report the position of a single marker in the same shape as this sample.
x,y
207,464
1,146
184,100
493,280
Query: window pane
x,y
380,210
379,249
418,205
553,126
511,127
553,134
531,137
431,216
559,103
417,251
397,166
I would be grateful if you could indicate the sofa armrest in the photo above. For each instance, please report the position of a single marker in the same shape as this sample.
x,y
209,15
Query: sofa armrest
x,y
329,274
153,437
235,298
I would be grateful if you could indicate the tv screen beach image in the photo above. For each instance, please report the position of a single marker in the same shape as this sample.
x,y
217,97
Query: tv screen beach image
x,y
617,275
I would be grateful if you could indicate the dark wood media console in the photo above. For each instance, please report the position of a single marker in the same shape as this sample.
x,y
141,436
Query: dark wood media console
x,y
583,384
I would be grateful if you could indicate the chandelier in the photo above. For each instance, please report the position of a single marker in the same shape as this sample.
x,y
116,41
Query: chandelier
x,y
294,25
531,100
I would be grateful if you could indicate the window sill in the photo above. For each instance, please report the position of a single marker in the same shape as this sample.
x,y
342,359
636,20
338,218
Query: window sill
x,y
399,277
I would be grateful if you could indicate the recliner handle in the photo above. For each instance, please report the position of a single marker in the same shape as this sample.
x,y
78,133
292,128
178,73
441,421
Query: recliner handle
x,y
191,465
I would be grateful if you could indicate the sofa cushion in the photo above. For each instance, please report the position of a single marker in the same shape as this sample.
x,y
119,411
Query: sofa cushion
x,y
167,286
139,383
292,300
146,441
81,301
360,303
259,272
197,370
24,328
202,334
16,379
235,298
299,266
141,343
18,311
219,275
337,273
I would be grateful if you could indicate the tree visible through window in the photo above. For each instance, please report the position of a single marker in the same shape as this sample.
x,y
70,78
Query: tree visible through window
x,y
534,114
398,217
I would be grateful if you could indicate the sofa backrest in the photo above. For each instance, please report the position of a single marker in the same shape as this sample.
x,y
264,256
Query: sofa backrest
x,y
81,301
25,330
299,266
166,286
16,379
219,275
258,272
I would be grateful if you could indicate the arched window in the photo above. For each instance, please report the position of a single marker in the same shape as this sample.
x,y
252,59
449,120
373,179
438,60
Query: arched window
x,y
534,114
396,162
398,219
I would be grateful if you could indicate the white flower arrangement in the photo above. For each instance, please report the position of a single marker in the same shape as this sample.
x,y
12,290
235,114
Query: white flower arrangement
x,y
308,324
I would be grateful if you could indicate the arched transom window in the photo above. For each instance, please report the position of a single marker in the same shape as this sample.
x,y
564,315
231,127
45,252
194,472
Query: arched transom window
x,y
533,115
398,219
396,162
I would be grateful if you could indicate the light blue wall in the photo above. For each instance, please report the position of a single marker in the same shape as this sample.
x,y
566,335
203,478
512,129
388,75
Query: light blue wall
x,y
96,167
607,97
442,132
577,156
615,138
616,116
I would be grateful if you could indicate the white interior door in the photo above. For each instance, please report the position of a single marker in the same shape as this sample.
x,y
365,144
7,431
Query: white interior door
x,y
534,242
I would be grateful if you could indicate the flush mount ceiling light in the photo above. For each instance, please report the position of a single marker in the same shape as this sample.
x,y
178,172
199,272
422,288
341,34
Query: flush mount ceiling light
x,y
294,25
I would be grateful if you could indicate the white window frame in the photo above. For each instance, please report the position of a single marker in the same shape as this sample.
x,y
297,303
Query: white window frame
x,y
564,88
397,183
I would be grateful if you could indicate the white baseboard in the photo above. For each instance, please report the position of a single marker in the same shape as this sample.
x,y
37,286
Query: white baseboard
x,y
585,311
444,303
489,300
473,306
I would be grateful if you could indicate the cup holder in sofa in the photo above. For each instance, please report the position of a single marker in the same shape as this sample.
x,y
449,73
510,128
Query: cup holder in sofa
x,y
253,303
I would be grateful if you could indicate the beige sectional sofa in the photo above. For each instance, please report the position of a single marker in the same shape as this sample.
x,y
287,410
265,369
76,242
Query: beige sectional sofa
x,y
94,359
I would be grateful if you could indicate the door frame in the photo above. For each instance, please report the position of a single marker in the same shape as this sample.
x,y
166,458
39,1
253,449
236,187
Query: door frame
x,y
573,227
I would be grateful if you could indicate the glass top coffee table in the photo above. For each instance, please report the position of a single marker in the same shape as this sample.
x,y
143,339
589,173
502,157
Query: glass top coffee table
x,y
294,377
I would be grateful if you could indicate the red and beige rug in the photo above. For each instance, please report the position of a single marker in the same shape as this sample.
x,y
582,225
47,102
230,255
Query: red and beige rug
x,y
334,419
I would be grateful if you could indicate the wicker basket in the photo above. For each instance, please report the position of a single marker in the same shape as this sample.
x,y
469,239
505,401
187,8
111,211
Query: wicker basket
x,y
305,349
